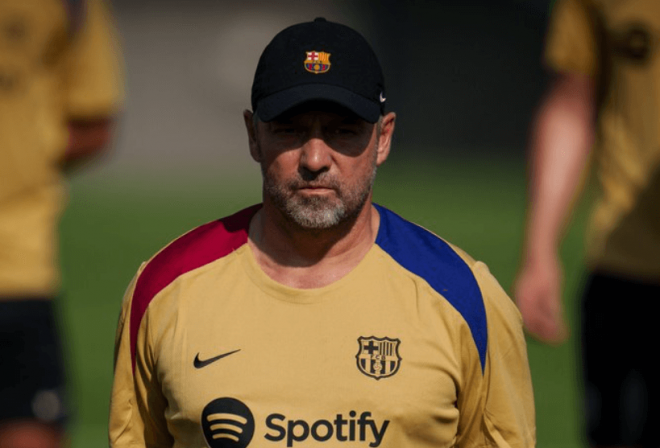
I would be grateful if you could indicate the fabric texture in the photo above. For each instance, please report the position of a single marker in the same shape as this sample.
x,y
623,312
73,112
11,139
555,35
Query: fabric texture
x,y
622,403
32,373
49,74
616,43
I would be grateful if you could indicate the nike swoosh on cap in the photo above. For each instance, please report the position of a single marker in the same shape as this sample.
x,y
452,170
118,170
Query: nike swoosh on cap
x,y
198,363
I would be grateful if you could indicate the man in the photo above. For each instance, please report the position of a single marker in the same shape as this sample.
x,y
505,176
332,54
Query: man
x,y
318,316
59,89
606,92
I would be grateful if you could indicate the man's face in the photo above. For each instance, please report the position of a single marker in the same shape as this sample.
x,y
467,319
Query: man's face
x,y
319,163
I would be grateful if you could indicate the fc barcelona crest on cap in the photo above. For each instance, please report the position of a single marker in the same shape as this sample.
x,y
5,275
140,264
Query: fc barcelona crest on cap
x,y
378,357
317,62
295,68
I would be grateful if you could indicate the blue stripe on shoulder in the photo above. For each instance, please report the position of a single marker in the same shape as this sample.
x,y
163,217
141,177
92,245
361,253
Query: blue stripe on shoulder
x,y
424,254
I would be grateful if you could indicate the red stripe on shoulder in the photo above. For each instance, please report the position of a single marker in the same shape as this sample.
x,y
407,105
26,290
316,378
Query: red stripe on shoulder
x,y
193,250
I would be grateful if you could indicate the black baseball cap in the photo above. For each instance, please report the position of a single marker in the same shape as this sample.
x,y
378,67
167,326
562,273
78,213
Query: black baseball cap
x,y
318,60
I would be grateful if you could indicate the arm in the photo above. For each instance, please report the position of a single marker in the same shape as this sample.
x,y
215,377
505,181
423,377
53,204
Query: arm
x,y
137,404
92,81
496,404
561,140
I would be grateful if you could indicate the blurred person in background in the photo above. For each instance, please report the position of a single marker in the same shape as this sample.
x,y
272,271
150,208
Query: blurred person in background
x,y
603,105
59,91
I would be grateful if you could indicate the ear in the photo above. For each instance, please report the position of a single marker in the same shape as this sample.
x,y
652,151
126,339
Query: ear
x,y
252,135
385,137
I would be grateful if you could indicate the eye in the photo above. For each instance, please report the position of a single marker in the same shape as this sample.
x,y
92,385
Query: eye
x,y
284,130
347,130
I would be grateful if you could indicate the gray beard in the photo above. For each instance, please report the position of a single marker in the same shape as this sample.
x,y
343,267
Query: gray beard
x,y
318,212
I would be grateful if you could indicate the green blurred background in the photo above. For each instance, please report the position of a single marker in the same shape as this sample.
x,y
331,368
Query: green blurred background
x,y
463,76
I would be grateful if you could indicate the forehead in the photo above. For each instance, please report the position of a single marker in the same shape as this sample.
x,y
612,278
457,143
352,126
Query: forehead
x,y
326,110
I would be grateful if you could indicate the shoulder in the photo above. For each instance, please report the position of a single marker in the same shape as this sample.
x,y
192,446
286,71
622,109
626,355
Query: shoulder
x,y
573,37
197,248
446,268
200,246
423,252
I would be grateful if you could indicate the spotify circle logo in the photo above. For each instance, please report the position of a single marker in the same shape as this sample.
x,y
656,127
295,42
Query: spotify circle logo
x,y
227,423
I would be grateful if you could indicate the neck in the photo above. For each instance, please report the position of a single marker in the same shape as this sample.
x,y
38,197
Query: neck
x,y
310,258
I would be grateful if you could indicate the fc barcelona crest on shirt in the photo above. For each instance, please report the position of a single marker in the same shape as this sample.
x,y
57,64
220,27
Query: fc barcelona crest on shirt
x,y
317,62
378,357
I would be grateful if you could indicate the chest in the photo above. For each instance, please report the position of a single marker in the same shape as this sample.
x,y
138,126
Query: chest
x,y
367,368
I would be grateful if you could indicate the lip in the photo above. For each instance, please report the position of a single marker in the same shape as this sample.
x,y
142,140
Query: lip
x,y
316,189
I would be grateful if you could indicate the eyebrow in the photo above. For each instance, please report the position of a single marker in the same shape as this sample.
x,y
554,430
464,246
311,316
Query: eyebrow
x,y
353,119
340,119
280,121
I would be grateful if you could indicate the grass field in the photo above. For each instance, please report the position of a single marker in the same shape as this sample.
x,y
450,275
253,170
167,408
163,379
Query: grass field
x,y
111,226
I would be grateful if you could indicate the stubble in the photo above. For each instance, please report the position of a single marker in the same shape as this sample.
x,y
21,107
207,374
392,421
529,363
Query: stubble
x,y
318,212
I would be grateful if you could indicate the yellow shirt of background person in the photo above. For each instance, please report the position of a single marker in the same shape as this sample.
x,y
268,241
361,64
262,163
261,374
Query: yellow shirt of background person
x,y
616,42
56,68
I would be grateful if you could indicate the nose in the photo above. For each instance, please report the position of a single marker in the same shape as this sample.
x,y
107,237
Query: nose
x,y
315,157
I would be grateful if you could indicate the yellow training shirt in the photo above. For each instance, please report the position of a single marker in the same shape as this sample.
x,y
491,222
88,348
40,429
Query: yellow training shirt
x,y
418,346
617,42
58,62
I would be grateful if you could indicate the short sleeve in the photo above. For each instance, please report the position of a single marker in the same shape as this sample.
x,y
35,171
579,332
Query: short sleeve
x,y
137,405
92,72
498,401
571,41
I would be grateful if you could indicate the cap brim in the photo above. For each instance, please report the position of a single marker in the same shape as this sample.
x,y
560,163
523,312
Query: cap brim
x,y
274,105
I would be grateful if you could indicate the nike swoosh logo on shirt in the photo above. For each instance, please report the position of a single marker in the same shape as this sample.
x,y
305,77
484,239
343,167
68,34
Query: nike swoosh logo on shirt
x,y
198,363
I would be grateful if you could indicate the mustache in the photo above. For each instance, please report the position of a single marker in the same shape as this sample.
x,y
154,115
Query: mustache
x,y
319,182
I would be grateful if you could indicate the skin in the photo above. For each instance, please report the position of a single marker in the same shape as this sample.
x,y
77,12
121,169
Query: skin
x,y
562,137
317,154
